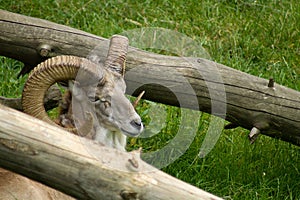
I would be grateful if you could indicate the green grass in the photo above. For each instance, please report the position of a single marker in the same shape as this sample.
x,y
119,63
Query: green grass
x,y
11,85
258,37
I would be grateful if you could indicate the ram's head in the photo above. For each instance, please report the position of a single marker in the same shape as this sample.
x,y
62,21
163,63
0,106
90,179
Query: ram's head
x,y
99,103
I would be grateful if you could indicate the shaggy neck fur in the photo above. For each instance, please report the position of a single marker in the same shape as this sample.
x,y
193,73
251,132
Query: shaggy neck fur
x,y
114,139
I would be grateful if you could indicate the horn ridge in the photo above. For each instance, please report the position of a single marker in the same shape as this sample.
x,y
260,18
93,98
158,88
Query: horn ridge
x,y
116,56
59,68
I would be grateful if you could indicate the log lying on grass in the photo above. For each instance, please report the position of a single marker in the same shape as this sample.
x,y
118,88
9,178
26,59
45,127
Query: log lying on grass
x,y
251,102
80,167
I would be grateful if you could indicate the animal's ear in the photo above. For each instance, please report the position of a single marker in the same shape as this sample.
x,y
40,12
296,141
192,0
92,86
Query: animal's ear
x,y
116,57
76,90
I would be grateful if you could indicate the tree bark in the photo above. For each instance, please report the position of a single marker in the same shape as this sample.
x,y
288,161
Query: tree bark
x,y
80,167
245,100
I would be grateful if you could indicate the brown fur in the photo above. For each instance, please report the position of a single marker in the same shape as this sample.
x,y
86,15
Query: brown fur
x,y
17,187
65,118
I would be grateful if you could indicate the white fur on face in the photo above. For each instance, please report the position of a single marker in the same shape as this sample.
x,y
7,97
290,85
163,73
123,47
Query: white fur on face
x,y
113,113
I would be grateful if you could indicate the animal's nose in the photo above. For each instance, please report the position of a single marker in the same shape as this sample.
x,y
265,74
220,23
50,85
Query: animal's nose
x,y
137,123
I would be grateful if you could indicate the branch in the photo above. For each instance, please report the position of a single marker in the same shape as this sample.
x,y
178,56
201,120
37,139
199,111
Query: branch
x,y
80,167
250,101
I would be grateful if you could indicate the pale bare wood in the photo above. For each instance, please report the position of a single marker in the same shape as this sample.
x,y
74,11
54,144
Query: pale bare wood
x,y
80,167
138,98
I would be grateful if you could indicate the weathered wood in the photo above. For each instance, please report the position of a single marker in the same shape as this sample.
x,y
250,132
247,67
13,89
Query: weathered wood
x,y
80,167
14,103
275,111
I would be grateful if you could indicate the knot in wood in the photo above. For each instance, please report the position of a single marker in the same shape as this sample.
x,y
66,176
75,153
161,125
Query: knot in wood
x,y
44,50
18,146
127,195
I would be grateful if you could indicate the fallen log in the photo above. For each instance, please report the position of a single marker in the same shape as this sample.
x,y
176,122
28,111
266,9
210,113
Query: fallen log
x,y
253,103
80,167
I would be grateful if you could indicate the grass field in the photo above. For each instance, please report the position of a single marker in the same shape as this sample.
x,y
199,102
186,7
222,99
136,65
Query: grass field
x,y
258,37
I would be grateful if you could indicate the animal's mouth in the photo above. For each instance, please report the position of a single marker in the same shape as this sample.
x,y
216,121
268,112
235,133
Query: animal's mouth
x,y
131,133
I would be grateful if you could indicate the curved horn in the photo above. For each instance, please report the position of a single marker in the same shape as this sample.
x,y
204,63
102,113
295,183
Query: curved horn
x,y
116,55
47,73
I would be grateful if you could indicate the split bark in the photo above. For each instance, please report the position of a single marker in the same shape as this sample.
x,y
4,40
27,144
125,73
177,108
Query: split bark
x,y
249,101
80,167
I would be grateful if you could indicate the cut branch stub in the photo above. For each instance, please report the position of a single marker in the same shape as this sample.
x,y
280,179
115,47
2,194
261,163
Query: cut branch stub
x,y
117,52
271,83
254,133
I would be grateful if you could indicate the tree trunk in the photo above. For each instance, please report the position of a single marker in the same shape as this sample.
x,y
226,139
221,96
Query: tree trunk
x,y
245,100
80,167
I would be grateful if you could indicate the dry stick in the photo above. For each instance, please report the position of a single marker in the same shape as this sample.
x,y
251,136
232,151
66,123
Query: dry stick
x,y
271,83
136,102
250,102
